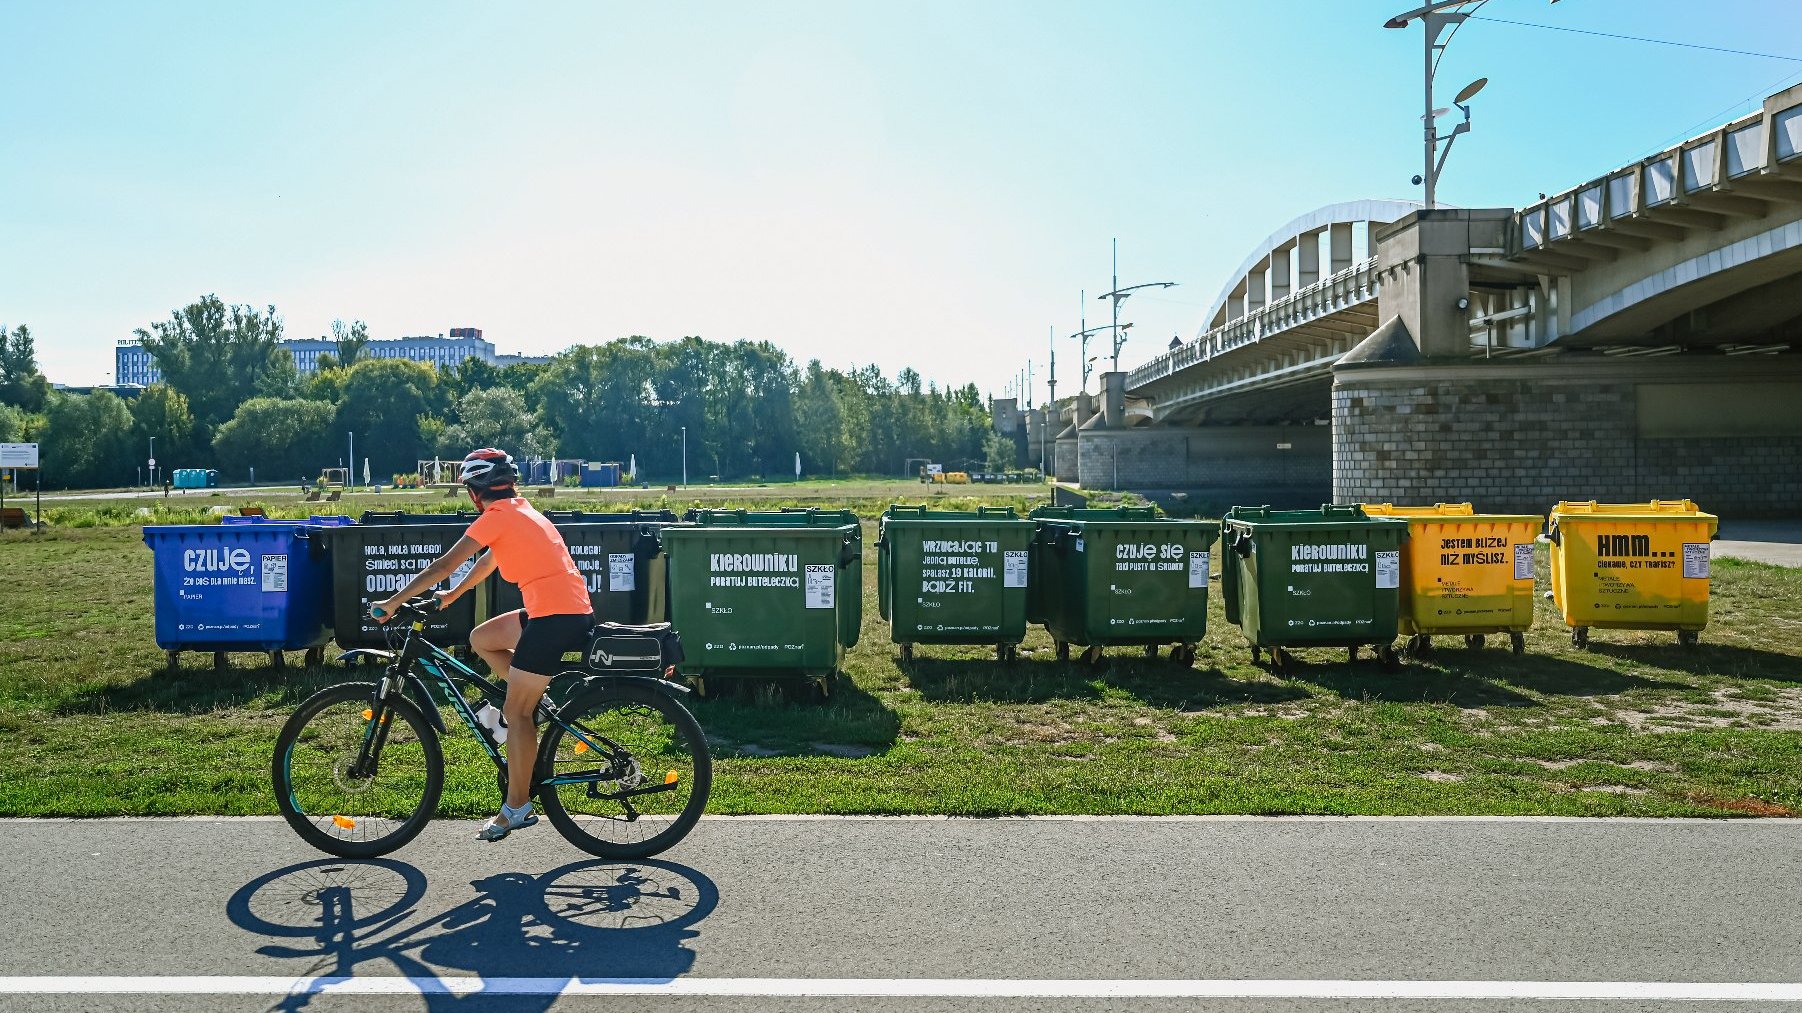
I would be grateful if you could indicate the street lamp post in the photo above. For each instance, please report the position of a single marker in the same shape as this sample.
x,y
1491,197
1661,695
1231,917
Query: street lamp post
x,y
1118,296
684,457
151,464
1436,18
1088,360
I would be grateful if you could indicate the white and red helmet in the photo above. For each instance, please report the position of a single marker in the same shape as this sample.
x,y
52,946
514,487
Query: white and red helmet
x,y
487,470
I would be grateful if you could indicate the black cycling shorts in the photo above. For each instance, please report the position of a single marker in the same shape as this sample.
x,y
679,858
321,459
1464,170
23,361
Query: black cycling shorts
x,y
545,640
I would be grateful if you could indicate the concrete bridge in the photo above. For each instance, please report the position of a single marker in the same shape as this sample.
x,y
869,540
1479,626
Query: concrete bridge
x,y
1630,337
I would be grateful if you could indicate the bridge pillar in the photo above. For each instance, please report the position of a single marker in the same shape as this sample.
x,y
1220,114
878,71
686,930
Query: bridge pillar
x,y
1521,434
1113,400
1422,262
1214,467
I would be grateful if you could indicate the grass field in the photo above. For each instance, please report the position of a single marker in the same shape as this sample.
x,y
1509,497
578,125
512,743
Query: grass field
x,y
122,508
91,725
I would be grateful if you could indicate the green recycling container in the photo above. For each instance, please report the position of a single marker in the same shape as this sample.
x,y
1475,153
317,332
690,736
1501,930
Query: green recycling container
x,y
621,559
1312,578
953,577
850,587
763,594
1121,576
374,559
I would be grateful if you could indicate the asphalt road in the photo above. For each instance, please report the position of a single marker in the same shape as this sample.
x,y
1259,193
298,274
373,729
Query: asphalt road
x,y
1287,900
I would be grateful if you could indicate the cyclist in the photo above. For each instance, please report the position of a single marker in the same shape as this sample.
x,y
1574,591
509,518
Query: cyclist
x,y
527,645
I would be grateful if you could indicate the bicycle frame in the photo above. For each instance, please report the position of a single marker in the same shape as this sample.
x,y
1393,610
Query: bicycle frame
x,y
439,664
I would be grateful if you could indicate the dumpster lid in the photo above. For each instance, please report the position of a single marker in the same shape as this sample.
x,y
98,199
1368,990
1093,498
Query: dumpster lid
x,y
1655,508
1451,512
902,511
802,518
1329,515
403,517
1120,513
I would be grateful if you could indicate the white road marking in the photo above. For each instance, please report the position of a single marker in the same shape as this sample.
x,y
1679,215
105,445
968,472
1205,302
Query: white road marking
x,y
958,988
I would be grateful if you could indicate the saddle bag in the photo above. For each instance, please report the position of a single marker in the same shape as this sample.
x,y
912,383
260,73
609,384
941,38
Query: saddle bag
x,y
633,650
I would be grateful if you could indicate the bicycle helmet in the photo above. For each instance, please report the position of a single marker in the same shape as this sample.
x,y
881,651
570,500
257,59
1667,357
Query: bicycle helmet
x,y
488,470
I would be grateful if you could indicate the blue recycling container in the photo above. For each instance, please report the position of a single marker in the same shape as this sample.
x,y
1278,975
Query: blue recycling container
x,y
256,586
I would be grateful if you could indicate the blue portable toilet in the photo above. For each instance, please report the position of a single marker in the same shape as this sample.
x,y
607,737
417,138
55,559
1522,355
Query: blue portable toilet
x,y
600,474
250,585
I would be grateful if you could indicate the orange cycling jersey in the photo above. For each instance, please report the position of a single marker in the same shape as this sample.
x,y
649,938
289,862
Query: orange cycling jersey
x,y
530,553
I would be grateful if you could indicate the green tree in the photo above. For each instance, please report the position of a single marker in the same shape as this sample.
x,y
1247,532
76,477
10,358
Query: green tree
x,y
162,412
496,418
291,438
819,422
12,423
86,442
215,354
21,385
597,401
383,405
998,452
351,341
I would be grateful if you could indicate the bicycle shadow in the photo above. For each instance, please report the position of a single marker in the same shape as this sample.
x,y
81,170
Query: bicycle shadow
x,y
589,919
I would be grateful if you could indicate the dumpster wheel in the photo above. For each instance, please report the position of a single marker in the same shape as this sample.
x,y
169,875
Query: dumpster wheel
x,y
277,661
1092,656
1184,655
1474,641
1418,646
1151,651
1579,637
315,657
219,661
1386,656
1279,660
1006,653
907,653
174,660
1517,642
1689,638
1063,650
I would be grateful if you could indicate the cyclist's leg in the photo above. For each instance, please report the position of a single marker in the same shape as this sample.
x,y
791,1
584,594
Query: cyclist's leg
x,y
524,689
495,640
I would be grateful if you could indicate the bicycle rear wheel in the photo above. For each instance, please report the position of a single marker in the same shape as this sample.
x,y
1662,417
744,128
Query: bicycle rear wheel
x,y
336,810
647,794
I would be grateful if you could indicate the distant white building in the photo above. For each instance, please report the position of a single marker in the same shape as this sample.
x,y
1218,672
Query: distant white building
x,y
136,365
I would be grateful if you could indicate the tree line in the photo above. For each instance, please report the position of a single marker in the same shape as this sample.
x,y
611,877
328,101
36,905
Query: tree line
x,y
231,398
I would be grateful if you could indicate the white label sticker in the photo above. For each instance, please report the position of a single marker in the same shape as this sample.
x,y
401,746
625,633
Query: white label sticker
x,y
1523,561
1695,560
1013,572
622,574
1389,569
275,572
819,585
1079,545
1198,569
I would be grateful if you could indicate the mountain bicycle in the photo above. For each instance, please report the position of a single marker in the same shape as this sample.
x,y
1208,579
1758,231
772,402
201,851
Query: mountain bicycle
x,y
622,767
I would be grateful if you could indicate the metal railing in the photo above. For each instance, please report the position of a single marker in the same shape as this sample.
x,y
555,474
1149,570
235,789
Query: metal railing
x,y
1713,161
1352,286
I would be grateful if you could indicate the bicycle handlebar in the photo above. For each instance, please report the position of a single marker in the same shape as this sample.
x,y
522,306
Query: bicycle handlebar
x,y
414,608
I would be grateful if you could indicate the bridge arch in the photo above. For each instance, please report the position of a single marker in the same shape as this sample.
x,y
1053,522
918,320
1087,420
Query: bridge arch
x,y
1291,257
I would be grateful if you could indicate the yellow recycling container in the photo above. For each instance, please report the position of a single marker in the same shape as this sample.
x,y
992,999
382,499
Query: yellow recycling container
x,y
1464,573
1631,566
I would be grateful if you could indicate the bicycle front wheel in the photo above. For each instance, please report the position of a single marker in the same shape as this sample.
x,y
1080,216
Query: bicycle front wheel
x,y
627,771
349,812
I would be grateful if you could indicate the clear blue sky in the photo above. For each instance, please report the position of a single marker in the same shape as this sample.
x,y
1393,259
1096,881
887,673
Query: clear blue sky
x,y
925,184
